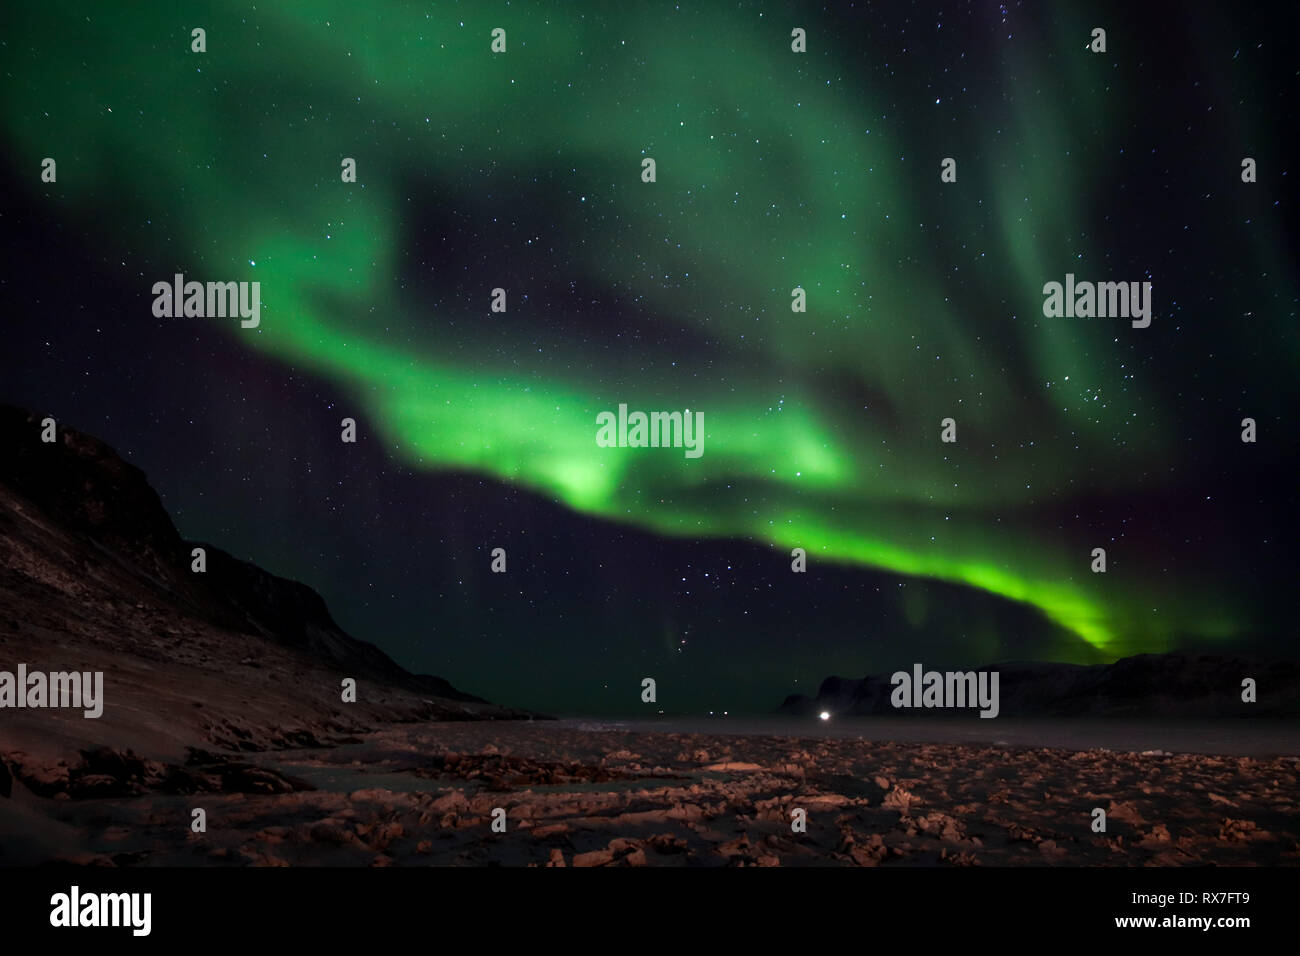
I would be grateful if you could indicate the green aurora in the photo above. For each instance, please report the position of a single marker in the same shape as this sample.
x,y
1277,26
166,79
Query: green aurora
x,y
773,171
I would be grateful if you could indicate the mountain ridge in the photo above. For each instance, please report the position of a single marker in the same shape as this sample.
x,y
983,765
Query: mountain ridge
x,y
94,576
1176,684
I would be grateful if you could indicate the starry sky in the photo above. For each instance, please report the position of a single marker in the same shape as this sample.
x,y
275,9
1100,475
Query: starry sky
x,y
774,170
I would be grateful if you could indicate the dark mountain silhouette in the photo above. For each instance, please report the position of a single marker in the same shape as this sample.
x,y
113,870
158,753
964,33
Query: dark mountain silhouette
x,y
84,487
95,577
1145,685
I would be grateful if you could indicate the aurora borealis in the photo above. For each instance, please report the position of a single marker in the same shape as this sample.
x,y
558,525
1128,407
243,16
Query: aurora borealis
x,y
775,170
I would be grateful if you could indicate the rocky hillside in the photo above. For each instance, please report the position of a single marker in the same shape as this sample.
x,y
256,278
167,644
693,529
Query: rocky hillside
x,y
95,577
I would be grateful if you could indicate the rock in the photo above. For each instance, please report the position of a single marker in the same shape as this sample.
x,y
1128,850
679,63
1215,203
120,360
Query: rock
x,y
44,781
240,778
899,799
453,802
99,785
686,811
1159,834
551,829
1237,831
1123,811
594,858
667,843
737,847
332,832
942,825
381,835
871,854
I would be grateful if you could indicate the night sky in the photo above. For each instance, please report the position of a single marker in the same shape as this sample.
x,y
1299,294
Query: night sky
x,y
775,170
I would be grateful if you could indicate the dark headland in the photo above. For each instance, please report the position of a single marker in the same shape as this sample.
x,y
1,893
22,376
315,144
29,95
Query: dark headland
x,y
1148,686
95,577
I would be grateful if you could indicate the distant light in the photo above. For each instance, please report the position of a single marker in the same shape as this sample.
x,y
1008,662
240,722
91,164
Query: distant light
x,y
825,715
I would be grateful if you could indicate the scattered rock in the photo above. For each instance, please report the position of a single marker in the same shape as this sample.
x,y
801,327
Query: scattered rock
x,y
899,799
1159,834
333,833
667,843
551,829
1124,812
594,858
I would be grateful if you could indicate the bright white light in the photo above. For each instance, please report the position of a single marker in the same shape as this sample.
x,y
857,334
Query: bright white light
x,y
825,715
